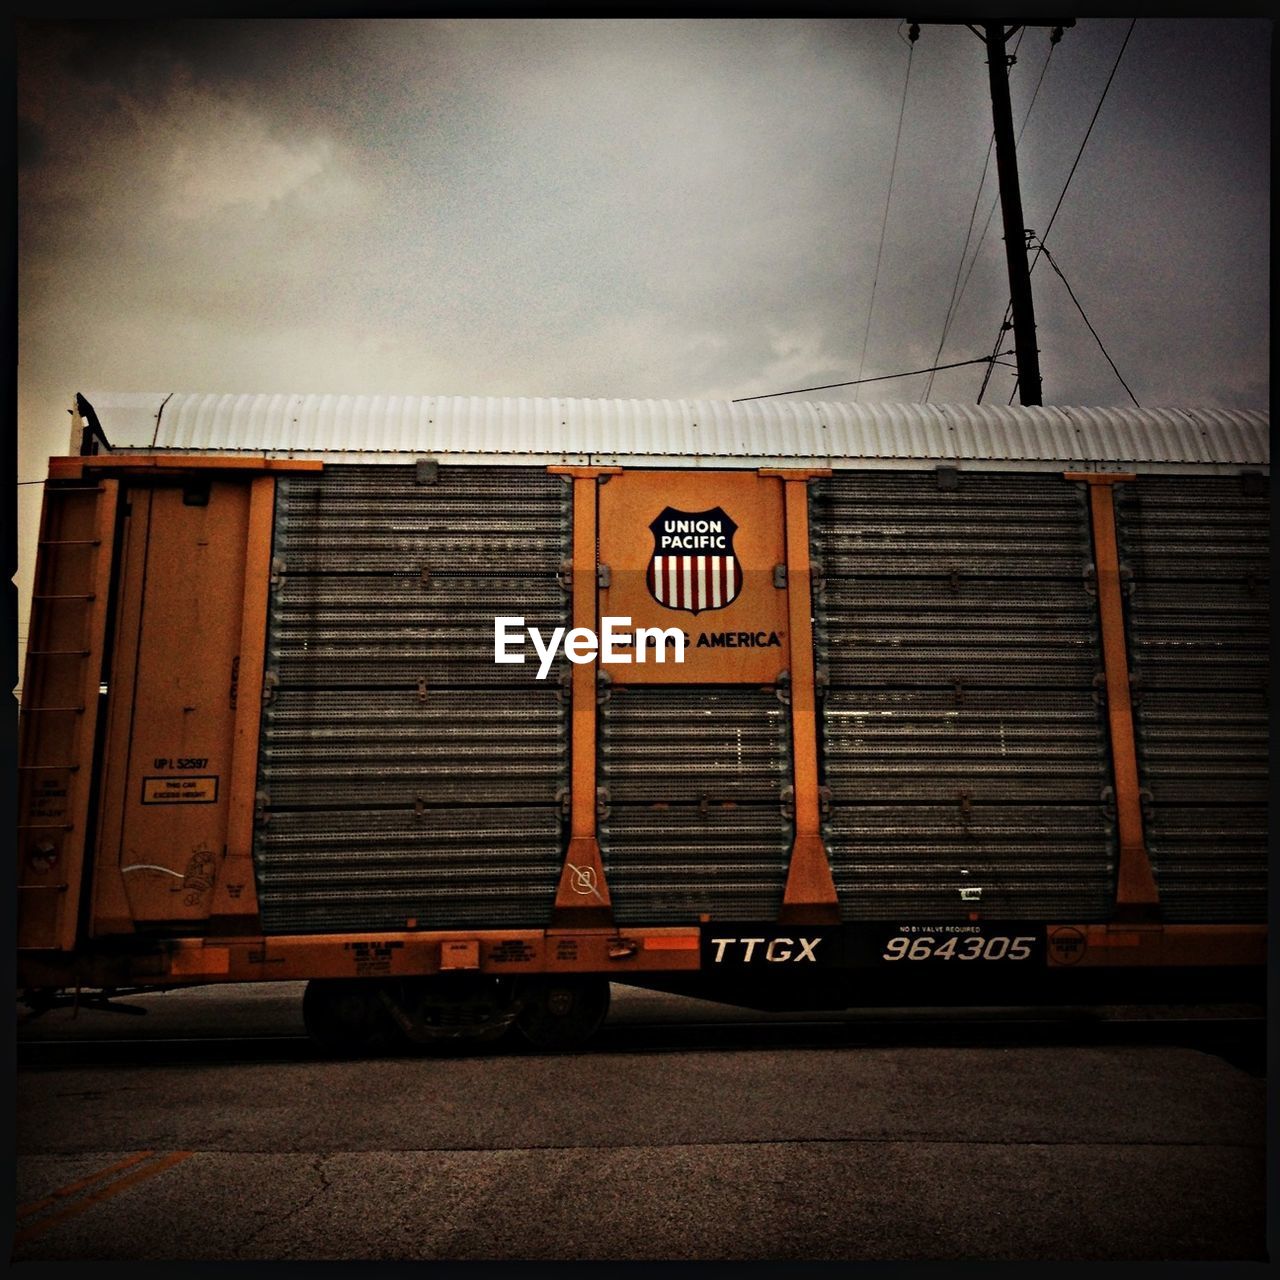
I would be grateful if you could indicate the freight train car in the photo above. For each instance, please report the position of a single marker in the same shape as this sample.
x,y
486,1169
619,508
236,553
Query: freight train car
x,y
462,709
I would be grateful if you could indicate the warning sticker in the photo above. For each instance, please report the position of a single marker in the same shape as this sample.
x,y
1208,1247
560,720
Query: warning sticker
x,y
189,790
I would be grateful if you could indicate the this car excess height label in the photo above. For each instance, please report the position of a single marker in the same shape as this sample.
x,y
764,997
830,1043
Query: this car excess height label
x,y
185,789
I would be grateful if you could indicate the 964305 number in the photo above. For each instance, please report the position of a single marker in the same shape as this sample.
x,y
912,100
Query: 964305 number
x,y
966,947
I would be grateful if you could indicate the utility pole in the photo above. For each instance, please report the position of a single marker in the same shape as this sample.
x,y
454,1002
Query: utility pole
x,y
994,33
1015,241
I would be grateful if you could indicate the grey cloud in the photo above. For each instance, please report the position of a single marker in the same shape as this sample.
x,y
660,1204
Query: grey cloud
x,y
666,208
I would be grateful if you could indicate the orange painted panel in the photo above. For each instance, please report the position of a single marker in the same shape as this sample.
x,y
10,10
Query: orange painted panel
x,y
110,910
172,692
698,551
133,465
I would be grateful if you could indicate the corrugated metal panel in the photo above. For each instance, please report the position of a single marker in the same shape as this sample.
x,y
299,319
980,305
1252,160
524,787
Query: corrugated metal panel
x,y
913,862
1210,748
384,581
395,786
453,746
1198,614
1203,635
1196,528
472,521
690,432
1208,863
378,869
343,629
694,823
962,739
930,747
1023,633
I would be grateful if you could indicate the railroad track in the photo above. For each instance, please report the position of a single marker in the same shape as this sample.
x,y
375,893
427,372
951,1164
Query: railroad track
x,y
1241,1040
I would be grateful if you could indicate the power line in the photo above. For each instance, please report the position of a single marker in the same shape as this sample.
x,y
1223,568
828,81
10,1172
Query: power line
x,y
884,222
964,249
1061,196
1133,22
884,377
1005,326
1092,330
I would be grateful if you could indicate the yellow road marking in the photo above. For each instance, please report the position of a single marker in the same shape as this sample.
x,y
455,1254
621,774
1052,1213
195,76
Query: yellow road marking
x,y
103,1193
26,1210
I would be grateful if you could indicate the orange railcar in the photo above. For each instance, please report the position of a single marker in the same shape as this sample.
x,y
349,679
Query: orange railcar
x,y
972,706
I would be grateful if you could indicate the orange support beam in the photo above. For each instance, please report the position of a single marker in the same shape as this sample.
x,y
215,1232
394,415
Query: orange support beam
x,y
235,898
582,897
810,893
1136,892
293,957
74,468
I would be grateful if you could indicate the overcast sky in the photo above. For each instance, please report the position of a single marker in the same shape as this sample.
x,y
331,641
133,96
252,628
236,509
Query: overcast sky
x,y
673,209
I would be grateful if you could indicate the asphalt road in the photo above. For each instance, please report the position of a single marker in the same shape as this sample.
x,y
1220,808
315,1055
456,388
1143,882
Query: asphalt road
x,y
690,1131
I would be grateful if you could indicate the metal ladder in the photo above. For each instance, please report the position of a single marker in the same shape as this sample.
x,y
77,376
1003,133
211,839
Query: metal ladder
x,y
59,710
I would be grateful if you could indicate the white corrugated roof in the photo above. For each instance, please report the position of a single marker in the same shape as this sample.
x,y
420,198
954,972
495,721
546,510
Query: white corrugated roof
x,y
682,432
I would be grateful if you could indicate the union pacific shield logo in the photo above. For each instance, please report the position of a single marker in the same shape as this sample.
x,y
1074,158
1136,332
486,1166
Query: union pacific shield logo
x,y
693,565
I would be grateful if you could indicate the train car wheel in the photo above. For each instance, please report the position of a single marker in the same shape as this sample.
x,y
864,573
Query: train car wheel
x,y
345,1016
562,1013
451,1012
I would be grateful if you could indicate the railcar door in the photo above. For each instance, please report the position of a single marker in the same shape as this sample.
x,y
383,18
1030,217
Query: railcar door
x,y
173,680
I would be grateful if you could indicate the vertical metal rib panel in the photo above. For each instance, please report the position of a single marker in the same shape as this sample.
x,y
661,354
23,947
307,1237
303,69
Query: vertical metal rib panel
x,y
405,776
695,780
1198,552
962,738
